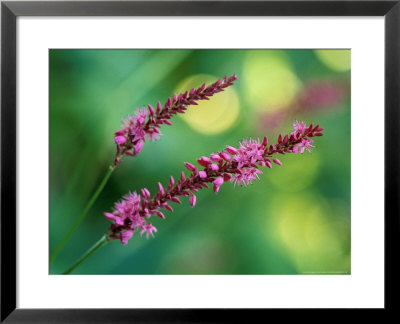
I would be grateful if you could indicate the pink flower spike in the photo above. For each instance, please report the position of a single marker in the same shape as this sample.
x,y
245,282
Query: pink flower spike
x,y
192,200
231,150
190,166
225,156
131,213
204,161
146,121
120,139
215,157
277,161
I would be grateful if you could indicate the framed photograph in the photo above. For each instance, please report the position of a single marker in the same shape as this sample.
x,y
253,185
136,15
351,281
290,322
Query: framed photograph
x,y
193,160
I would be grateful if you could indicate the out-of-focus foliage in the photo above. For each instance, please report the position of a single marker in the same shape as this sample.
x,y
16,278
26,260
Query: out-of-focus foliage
x,y
296,220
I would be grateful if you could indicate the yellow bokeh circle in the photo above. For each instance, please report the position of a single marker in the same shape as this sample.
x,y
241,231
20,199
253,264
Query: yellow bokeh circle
x,y
211,116
269,80
337,60
308,228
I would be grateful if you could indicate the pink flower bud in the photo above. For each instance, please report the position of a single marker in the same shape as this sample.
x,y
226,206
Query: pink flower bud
x,y
160,214
203,174
285,140
225,156
227,177
265,142
176,200
160,188
217,184
204,161
159,107
215,157
151,109
214,167
167,122
192,200
120,140
121,132
125,236
268,164
110,216
277,161
145,193
231,150
190,166
138,147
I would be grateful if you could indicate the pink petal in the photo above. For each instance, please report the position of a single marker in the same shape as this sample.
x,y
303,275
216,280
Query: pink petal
x,y
192,200
120,140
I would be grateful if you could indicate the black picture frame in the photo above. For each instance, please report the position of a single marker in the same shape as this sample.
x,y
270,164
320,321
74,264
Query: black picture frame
x,y
10,10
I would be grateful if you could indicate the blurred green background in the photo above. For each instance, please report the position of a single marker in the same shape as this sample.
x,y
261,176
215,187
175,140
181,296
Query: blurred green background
x,y
296,220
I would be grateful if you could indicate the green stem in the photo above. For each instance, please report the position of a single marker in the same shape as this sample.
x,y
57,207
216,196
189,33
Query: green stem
x,y
87,254
83,214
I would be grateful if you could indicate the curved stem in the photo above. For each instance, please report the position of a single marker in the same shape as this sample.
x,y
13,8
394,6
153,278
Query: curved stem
x,y
83,214
87,254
